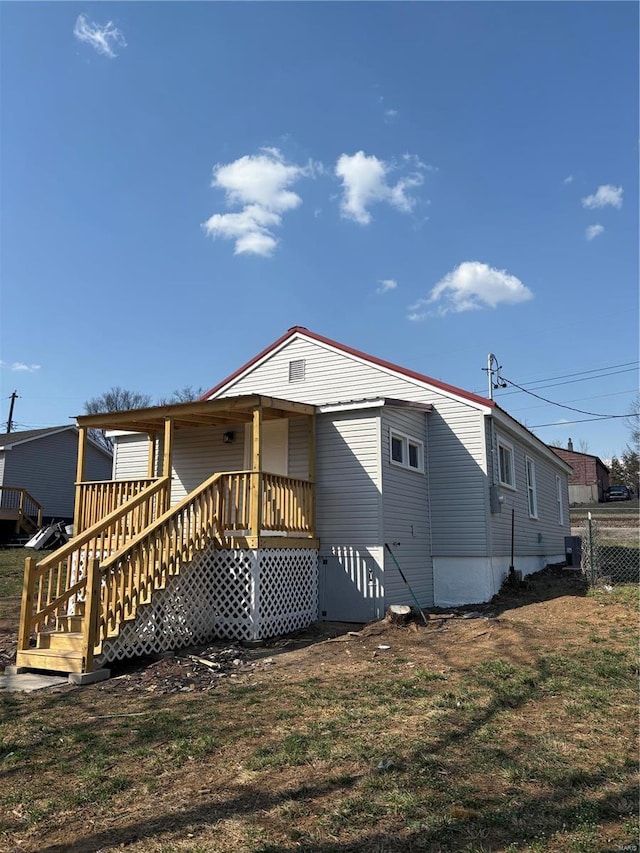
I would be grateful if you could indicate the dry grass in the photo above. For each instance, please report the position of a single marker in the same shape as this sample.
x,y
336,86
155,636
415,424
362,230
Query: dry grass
x,y
511,733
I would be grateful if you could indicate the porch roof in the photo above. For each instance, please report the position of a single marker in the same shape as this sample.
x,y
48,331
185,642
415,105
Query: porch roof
x,y
223,411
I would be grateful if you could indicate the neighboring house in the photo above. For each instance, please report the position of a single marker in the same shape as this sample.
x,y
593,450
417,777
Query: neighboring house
x,y
277,498
590,477
39,467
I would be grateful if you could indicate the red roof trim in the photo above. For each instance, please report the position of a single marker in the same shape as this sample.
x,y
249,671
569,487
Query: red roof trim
x,y
412,374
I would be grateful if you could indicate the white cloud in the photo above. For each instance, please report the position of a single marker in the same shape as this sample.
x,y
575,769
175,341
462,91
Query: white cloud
x,y
103,38
261,183
365,183
593,231
604,196
568,179
20,366
390,115
470,287
386,284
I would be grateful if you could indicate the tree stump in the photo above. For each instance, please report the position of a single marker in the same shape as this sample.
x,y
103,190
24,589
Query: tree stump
x,y
398,614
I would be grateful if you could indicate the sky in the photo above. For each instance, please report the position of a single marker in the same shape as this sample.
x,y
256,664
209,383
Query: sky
x,y
427,182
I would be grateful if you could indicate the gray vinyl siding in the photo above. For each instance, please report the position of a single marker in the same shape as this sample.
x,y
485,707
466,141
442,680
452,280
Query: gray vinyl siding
x,y
543,535
457,458
299,448
130,457
457,482
2,453
46,468
199,453
406,514
349,481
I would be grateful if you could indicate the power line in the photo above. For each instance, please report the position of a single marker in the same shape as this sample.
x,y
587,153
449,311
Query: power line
x,y
601,375
581,421
578,399
561,405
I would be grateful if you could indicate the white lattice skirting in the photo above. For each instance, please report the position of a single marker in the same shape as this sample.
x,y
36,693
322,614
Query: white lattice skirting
x,y
235,594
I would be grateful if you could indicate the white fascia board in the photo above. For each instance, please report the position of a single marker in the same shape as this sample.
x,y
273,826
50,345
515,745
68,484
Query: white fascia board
x,y
520,432
113,433
351,406
298,336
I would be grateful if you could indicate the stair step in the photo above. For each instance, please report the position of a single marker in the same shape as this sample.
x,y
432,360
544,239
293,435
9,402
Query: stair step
x,y
69,624
61,641
48,659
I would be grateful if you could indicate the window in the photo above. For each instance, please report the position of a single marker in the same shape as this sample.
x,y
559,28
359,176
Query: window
x,y
532,497
406,452
296,370
505,464
559,499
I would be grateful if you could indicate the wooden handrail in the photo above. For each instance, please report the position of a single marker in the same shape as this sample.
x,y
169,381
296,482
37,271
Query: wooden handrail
x,y
55,583
96,498
78,541
157,524
129,577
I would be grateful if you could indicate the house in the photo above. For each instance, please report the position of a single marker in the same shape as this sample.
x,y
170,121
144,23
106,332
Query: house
x,y
290,492
589,478
38,472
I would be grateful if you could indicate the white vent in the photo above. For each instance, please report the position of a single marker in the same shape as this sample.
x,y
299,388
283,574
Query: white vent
x,y
296,370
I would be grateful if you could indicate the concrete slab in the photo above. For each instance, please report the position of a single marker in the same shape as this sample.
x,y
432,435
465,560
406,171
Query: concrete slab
x,y
27,682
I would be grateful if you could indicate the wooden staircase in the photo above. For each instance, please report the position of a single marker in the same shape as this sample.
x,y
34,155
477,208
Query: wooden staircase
x,y
80,596
58,650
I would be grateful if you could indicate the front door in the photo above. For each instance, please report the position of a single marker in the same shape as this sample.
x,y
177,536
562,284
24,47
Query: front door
x,y
275,446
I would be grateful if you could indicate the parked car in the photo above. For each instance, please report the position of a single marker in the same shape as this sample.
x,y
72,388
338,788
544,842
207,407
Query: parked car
x,y
617,493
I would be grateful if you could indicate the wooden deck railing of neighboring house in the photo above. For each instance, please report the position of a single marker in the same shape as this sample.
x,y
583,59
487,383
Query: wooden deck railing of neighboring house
x,y
17,504
116,565
95,500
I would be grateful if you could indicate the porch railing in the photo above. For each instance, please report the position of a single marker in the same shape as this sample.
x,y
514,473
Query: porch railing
x,y
95,500
114,566
53,587
129,577
287,504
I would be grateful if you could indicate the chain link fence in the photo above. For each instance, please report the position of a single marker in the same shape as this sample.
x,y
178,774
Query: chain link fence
x,y
610,551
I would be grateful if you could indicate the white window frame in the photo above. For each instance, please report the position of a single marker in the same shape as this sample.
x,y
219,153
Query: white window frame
x,y
559,502
406,442
532,491
507,447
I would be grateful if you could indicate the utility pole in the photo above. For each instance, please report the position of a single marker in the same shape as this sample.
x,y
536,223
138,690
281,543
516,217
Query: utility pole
x,y
14,397
494,367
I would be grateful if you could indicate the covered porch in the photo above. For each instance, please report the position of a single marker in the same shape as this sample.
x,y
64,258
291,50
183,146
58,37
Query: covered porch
x,y
257,505
164,559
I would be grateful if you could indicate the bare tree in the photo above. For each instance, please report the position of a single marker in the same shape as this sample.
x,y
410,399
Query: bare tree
x,y
182,395
116,399
583,446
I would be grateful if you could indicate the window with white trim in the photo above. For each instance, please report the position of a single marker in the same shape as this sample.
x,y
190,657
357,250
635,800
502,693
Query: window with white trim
x,y
506,471
532,497
405,451
559,499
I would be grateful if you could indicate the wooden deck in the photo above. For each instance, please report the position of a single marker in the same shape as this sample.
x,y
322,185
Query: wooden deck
x,y
17,505
129,541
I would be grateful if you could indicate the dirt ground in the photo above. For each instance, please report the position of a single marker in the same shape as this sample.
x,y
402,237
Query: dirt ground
x,y
176,809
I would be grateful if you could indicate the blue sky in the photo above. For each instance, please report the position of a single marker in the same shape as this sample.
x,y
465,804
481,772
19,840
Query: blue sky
x,y
428,182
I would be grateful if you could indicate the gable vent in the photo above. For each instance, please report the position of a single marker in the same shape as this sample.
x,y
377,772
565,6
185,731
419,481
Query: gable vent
x,y
296,370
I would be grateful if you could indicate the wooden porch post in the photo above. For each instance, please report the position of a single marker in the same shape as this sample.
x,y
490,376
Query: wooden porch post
x,y
26,607
167,460
90,621
256,476
311,438
82,451
151,463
